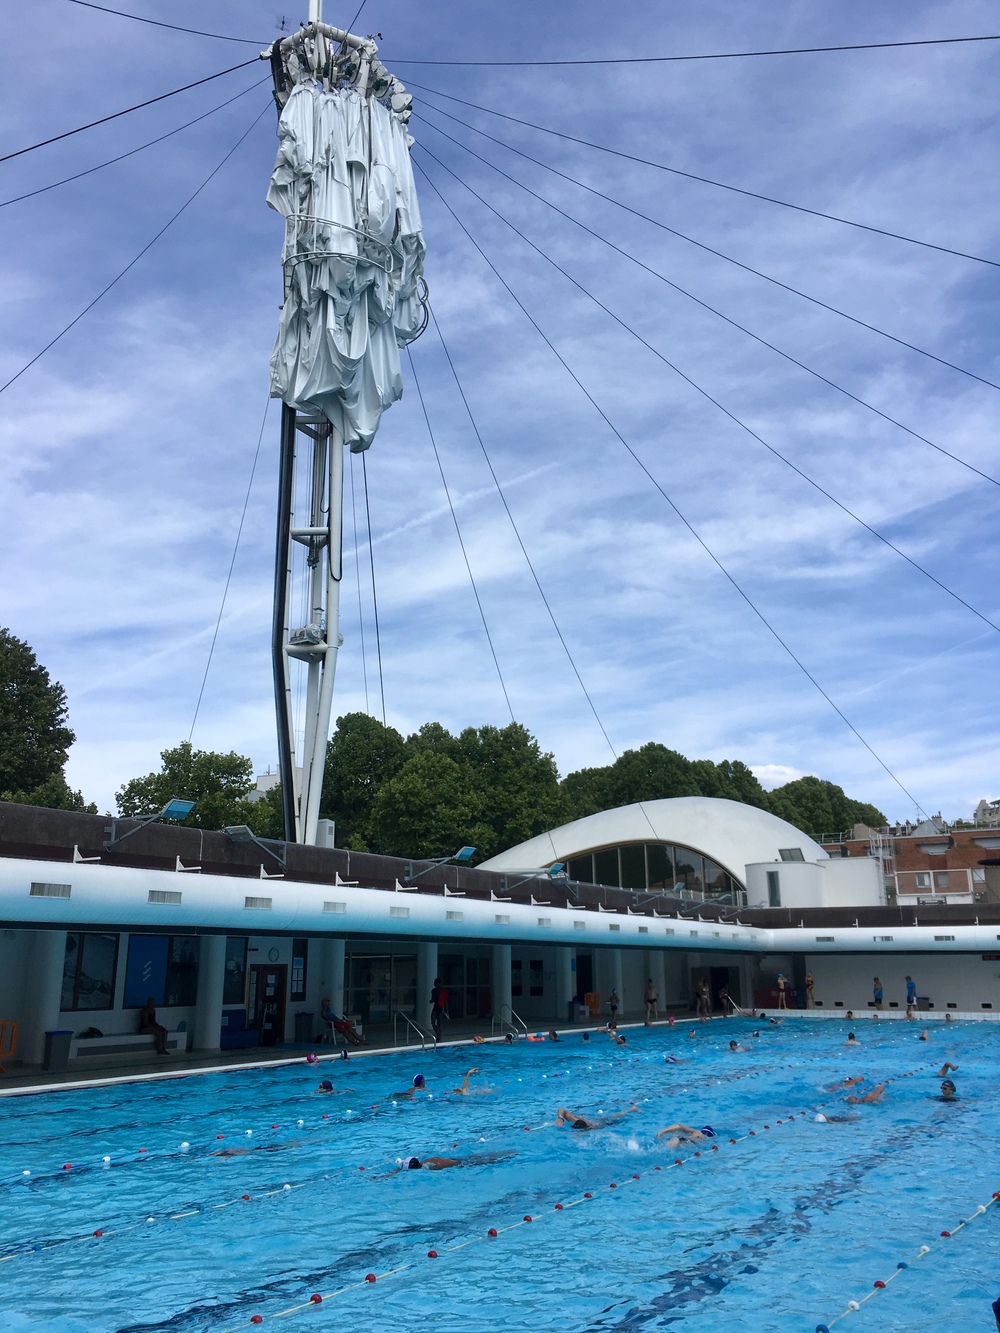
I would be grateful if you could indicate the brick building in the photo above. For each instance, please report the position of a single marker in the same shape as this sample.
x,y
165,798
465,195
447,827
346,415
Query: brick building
x,y
930,861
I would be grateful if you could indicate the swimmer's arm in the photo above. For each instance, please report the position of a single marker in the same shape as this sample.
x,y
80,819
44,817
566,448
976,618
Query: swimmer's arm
x,y
673,1129
464,1089
441,1163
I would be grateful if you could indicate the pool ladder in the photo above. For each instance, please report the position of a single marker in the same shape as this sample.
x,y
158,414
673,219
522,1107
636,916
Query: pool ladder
x,y
423,1035
508,1018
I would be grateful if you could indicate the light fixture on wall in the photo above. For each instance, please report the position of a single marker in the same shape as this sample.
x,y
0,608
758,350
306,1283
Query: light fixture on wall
x,y
175,809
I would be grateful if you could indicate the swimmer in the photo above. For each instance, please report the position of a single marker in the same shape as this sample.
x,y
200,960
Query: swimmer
x,y
852,1040
419,1085
553,1035
326,1086
692,1033
463,1091
850,1015
508,1038
946,1069
735,1048
564,1117
620,1041
685,1134
776,1022
923,1036
673,1060
822,1119
586,1036
442,1163
844,1083
948,1018
949,1092
874,1096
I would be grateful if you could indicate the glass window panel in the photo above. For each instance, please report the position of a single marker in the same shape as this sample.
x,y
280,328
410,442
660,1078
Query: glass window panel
x,y
95,986
404,983
606,867
688,870
516,987
716,879
633,861
234,985
536,977
660,861
70,966
582,868
182,971
300,960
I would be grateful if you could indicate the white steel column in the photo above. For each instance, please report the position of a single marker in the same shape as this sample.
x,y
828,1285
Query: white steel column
x,y
565,957
333,975
500,978
48,958
427,963
655,968
211,981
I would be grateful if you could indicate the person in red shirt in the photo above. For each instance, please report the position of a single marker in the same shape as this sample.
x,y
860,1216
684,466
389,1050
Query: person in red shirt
x,y
439,1006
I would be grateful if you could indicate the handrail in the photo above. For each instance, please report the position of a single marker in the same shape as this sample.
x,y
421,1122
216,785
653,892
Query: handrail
x,y
422,1033
513,1021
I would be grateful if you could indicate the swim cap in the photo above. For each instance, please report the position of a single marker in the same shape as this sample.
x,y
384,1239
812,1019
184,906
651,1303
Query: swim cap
x,y
418,1080
708,1131
411,1164
948,1084
821,1119
326,1086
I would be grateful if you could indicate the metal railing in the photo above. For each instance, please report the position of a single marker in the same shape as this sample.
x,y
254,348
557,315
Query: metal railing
x,y
422,1033
514,1022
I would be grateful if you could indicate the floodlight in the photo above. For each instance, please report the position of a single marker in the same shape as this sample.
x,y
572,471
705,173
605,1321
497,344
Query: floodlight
x,y
177,809
244,833
556,868
462,857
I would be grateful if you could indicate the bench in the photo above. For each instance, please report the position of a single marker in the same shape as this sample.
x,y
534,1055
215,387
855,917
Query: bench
x,y
235,1033
121,1043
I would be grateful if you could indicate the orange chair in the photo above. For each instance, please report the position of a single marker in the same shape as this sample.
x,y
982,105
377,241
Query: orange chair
x,y
592,1000
8,1041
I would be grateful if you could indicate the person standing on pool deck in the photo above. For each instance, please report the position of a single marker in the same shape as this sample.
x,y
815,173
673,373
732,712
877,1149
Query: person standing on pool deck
x,y
652,999
439,1004
781,991
877,993
613,1003
810,983
911,996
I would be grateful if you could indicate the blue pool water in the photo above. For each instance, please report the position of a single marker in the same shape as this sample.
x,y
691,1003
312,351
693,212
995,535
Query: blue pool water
x,y
776,1232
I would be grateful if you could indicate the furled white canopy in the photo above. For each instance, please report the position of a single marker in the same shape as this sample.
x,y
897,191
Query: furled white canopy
x,y
353,256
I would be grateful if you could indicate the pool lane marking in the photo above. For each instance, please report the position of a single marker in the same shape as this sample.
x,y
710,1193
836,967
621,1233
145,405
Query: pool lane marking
x,y
109,1233
901,1267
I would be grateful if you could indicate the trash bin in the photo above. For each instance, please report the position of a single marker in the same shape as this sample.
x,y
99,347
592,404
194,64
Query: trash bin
x,y
304,1030
56,1059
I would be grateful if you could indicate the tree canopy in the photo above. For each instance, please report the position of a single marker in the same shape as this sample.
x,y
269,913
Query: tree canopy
x,y
217,783
34,737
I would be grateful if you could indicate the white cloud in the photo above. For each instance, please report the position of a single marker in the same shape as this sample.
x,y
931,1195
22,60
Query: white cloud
x,y
775,775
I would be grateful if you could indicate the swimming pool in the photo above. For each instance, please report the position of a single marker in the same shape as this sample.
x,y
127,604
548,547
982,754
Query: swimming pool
x,y
777,1231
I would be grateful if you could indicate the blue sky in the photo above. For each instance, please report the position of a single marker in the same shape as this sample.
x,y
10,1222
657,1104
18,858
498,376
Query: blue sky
x,y
125,452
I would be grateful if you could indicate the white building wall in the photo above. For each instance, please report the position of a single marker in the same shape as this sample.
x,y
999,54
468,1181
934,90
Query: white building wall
x,y
967,982
854,881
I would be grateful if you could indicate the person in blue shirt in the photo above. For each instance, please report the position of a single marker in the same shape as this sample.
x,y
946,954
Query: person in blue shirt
x,y
911,996
877,993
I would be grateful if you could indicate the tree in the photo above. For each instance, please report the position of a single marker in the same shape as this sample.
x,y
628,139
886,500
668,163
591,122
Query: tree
x,y
34,737
217,783
650,773
361,756
518,785
428,809
818,807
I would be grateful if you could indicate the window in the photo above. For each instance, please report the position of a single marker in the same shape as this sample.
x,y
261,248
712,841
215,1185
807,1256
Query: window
x,y
234,985
334,907
168,896
579,925
791,853
399,911
164,967
633,860
824,939
644,930
536,977
50,890
923,880
614,926
545,921
773,889
501,919
300,964
89,971
606,867
940,938
581,868
516,985
257,904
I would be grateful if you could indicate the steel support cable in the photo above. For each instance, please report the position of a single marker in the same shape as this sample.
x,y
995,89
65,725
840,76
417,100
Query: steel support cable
x,y
708,396
706,180
687,524
132,262
232,565
132,151
220,36
115,115
747,268
718,55
371,557
458,533
357,570
517,532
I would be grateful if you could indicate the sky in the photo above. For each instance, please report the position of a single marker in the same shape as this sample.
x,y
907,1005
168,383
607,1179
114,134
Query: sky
x,y
126,450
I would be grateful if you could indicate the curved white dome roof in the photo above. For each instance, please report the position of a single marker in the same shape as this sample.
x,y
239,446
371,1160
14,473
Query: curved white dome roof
x,y
730,833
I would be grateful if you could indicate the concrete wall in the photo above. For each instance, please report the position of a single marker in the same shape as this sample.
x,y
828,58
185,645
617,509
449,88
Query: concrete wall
x,y
838,882
967,982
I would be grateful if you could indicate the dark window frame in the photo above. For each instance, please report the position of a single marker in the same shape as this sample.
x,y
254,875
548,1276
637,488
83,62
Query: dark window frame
x,y
298,976
81,936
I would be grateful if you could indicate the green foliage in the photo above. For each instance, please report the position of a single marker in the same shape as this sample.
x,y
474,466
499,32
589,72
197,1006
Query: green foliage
x,y
218,783
654,773
429,808
361,756
34,738
819,807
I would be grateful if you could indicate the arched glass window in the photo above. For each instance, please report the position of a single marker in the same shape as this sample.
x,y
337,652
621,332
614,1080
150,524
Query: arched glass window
x,y
652,866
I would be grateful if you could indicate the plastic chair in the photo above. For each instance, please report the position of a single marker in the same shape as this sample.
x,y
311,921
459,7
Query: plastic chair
x,y
592,1000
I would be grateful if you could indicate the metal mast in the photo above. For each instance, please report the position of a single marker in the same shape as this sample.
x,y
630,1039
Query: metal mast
x,y
353,294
